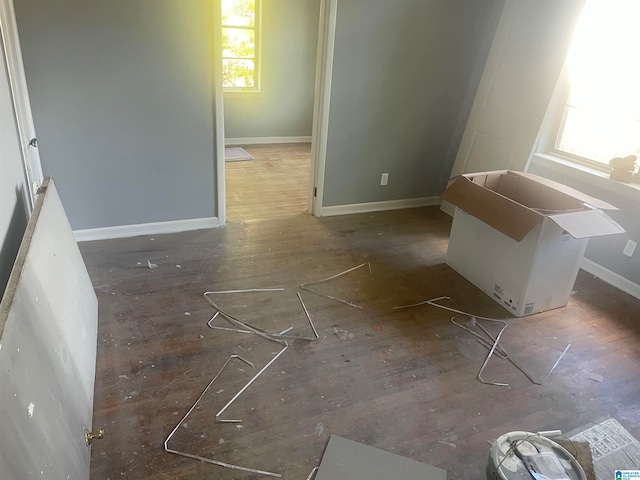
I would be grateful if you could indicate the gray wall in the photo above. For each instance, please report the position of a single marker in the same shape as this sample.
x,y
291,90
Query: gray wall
x,y
404,77
607,251
13,188
284,107
121,93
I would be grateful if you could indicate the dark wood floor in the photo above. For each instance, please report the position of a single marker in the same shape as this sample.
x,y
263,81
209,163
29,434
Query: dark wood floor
x,y
404,383
274,184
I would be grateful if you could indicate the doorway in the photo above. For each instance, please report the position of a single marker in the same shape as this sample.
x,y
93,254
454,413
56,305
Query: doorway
x,y
274,183
270,116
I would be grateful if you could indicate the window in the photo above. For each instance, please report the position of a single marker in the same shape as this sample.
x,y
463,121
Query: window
x,y
601,118
240,42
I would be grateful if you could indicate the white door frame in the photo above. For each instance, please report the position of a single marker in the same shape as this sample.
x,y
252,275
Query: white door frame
x,y
218,100
322,96
20,97
321,103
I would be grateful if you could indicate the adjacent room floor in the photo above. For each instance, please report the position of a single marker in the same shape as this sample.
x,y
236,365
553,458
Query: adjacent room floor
x,y
274,184
400,380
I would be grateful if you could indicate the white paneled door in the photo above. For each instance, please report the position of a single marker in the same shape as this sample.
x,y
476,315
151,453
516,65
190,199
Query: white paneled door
x,y
20,95
522,69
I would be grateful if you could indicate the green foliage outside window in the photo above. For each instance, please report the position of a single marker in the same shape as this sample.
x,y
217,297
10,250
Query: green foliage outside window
x,y
239,44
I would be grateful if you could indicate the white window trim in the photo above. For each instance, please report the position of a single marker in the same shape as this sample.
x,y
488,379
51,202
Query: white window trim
x,y
258,58
586,174
546,155
558,126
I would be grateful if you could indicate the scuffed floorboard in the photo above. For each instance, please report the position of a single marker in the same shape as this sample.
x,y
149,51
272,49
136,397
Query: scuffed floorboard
x,y
405,381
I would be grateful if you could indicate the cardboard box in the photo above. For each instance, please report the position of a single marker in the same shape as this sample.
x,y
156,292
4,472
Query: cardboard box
x,y
520,238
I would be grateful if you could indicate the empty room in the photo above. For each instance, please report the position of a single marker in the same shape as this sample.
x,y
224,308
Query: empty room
x,y
330,239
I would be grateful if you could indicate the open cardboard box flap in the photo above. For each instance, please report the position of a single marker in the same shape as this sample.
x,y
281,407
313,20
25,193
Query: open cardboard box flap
x,y
502,213
577,194
495,198
590,223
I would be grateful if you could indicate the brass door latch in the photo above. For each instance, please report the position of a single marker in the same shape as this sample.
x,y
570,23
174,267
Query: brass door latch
x,y
91,436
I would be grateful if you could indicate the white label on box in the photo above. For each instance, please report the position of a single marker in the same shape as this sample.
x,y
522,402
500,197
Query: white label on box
x,y
528,308
505,298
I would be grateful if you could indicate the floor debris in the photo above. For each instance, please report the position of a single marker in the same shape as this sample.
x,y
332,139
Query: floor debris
x,y
247,290
342,334
305,286
612,446
286,345
488,341
306,312
596,378
249,328
207,459
241,327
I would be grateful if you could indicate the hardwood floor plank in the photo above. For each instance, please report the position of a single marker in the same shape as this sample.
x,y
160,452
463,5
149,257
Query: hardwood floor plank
x,y
274,184
405,382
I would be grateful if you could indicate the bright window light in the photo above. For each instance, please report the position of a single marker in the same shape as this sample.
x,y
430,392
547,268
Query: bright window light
x,y
602,114
240,44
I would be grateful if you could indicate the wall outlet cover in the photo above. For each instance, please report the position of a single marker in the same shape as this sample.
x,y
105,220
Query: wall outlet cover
x,y
629,248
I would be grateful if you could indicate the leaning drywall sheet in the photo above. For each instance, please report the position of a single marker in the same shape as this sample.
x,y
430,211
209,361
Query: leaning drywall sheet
x,y
48,328
348,460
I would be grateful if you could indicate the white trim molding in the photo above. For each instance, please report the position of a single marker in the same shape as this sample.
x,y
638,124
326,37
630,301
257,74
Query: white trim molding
x,y
321,103
586,174
228,142
379,206
610,277
218,98
20,98
156,228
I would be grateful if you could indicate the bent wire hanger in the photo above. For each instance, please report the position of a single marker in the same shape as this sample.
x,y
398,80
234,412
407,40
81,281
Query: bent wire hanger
x,y
207,459
493,347
305,286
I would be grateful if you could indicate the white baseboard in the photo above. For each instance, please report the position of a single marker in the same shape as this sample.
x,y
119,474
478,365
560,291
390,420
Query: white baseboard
x,y
610,277
228,142
379,206
157,228
448,208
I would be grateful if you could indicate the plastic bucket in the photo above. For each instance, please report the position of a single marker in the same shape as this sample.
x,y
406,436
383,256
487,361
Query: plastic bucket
x,y
504,464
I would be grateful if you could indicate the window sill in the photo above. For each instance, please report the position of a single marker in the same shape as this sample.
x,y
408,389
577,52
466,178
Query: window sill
x,y
244,92
587,174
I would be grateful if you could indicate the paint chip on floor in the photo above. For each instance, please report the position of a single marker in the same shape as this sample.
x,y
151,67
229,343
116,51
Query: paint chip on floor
x,y
342,334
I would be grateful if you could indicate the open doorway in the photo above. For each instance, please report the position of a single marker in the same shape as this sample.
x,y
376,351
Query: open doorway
x,y
273,183
269,52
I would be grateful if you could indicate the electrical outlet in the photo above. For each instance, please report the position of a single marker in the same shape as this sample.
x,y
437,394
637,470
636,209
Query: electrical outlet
x,y
384,179
629,248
